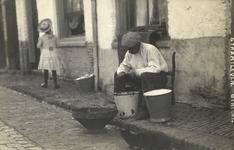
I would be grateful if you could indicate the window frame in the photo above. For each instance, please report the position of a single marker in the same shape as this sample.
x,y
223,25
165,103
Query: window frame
x,y
148,27
122,26
63,41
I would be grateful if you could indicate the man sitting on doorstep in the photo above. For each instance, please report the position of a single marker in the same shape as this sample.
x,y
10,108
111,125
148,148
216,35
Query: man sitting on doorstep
x,y
143,68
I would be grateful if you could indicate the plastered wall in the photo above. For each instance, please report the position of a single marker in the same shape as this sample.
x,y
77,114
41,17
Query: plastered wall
x,y
108,60
88,20
200,71
198,18
198,31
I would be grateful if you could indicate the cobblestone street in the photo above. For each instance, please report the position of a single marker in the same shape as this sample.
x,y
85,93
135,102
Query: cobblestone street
x,y
13,140
29,124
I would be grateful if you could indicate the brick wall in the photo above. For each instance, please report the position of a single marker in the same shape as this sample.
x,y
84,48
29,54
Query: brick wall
x,y
89,53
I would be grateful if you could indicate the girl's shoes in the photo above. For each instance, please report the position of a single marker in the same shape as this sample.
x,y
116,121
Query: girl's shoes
x,y
56,86
44,85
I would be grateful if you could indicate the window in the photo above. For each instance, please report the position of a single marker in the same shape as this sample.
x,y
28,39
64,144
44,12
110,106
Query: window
x,y
74,17
70,22
147,13
149,16
143,13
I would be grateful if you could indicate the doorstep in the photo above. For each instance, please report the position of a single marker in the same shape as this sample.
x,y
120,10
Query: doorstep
x,y
109,91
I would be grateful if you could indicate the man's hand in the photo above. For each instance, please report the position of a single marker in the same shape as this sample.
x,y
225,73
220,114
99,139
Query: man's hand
x,y
120,74
132,73
50,48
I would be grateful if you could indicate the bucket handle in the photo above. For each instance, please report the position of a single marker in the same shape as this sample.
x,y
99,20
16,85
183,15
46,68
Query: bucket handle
x,y
131,94
118,94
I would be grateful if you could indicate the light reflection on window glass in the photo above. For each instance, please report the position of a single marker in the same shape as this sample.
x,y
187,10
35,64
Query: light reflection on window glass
x,y
76,5
143,13
73,5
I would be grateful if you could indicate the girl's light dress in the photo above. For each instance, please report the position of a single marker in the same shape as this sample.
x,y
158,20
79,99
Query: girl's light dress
x,y
49,59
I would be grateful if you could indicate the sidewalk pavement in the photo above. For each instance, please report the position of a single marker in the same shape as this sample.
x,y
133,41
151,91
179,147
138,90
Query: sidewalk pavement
x,y
189,129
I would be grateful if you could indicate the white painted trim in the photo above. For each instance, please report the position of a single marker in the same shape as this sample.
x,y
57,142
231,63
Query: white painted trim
x,y
78,41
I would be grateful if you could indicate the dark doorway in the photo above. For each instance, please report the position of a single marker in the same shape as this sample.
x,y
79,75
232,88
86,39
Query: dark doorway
x,y
2,49
35,33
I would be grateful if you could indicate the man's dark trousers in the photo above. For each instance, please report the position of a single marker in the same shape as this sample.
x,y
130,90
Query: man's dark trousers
x,y
146,82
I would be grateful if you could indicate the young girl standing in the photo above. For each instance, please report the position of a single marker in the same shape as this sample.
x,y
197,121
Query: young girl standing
x,y
49,59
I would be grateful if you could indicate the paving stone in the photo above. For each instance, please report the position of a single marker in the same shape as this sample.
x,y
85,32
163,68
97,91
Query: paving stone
x,y
13,141
3,147
4,142
22,142
9,130
16,136
20,139
228,134
7,148
34,148
3,128
14,145
26,145
9,142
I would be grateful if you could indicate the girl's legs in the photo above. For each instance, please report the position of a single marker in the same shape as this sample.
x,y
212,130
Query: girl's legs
x,y
54,74
45,84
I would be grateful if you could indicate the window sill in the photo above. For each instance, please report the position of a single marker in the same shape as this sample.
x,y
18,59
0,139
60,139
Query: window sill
x,y
78,41
159,44
164,43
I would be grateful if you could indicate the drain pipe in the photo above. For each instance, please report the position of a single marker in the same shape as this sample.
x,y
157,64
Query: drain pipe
x,y
95,43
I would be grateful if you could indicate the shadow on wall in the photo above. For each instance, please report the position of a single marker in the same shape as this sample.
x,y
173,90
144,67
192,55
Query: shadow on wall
x,y
212,96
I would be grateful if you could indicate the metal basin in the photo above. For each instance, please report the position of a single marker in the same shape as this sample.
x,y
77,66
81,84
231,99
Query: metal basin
x,y
94,118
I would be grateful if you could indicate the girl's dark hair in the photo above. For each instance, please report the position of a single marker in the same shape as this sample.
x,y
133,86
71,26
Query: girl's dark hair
x,y
48,32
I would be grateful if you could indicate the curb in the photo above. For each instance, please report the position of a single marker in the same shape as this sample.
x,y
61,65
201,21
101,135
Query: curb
x,y
180,139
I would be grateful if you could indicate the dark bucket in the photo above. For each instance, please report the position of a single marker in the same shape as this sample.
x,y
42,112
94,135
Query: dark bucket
x,y
86,84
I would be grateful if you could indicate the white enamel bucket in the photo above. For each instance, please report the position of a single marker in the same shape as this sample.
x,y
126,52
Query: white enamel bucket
x,y
159,104
127,103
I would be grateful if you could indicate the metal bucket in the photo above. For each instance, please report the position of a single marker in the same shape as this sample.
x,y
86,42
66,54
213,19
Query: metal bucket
x,y
127,103
159,104
85,84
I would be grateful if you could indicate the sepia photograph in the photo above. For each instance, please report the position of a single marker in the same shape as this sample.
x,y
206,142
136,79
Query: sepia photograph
x,y
116,75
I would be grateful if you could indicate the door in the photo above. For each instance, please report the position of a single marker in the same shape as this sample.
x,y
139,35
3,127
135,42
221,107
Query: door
x,y
35,33
2,49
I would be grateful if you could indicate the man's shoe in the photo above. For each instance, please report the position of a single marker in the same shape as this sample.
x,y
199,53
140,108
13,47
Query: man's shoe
x,y
142,114
44,85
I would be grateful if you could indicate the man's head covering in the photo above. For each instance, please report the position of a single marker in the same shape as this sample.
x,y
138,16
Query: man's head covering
x,y
131,39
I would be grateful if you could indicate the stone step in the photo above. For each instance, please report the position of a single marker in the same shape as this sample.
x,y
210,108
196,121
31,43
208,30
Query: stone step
x,y
109,91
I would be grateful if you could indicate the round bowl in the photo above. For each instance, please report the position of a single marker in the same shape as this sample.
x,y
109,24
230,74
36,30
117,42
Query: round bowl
x,y
94,118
